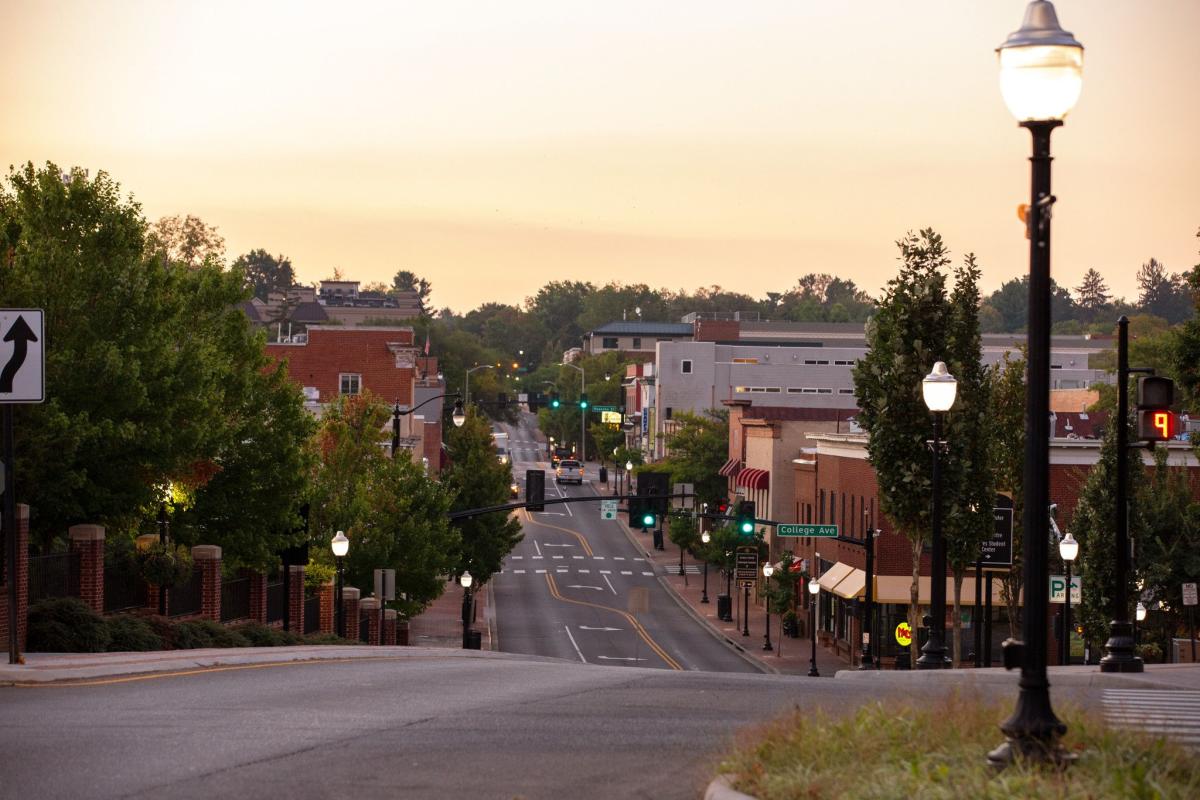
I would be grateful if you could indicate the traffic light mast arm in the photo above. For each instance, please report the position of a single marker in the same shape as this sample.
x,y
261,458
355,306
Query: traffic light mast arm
x,y
467,513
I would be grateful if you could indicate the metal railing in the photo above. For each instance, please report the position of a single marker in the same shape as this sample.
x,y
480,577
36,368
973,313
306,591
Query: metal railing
x,y
123,589
276,600
312,614
364,628
184,599
235,599
53,575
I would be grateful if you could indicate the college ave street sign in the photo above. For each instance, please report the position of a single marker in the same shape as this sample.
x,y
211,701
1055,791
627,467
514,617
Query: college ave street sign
x,y
22,356
827,531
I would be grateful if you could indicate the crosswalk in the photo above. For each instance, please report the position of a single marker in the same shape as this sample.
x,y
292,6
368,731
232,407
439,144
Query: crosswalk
x,y
1172,714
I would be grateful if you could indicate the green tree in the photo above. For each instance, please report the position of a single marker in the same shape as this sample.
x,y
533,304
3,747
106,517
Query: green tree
x,y
1163,294
558,306
1011,300
1007,444
697,448
1093,294
264,272
478,480
406,281
1185,349
186,240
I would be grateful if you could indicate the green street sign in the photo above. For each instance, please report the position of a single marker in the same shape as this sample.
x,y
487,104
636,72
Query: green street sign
x,y
603,408
827,531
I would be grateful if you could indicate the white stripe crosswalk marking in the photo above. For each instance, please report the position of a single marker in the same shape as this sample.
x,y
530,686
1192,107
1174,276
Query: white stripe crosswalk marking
x,y
626,572
1172,714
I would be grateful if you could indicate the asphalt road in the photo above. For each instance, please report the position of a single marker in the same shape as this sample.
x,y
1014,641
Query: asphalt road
x,y
432,724
565,590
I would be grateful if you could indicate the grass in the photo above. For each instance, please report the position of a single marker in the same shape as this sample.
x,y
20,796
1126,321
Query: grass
x,y
906,751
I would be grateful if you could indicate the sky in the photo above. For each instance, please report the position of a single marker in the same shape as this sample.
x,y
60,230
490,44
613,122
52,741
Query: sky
x,y
492,147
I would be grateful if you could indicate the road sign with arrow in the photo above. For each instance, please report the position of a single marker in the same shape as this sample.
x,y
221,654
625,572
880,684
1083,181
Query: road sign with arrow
x,y
22,356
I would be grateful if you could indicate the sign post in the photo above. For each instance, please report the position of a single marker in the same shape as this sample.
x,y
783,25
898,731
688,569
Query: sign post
x,y
1189,600
22,380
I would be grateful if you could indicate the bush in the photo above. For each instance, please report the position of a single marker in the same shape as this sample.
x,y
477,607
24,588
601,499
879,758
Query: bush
x,y
165,565
198,633
266,636
327,638
133,633
66,625
317,575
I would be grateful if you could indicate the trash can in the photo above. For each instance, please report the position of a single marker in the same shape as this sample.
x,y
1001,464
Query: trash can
x,y
658,539
902,660
603,474
725,607
474,640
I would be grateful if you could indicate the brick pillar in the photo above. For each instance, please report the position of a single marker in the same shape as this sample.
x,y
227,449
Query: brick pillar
x,y
22,577
370,607
350,609
258,597
402,631
326,594
389,626
88,541
296,598
208,558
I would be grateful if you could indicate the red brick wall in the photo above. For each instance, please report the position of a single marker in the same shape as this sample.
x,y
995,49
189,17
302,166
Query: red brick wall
x,y
370,607
717,330
296,598
331,352
326,594
350,610
258,597
21,573
208,558
88,541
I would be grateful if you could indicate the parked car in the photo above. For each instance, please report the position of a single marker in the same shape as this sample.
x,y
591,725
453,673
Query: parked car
x,y
569,471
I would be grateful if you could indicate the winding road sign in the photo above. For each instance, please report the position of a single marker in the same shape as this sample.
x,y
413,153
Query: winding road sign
x,y
22,356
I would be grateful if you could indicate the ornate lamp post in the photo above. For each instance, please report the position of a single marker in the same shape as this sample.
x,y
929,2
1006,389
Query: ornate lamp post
x,y
465,580
340,546
458,417
1041,73
1068,548
814,589
768,571
939,389
705,538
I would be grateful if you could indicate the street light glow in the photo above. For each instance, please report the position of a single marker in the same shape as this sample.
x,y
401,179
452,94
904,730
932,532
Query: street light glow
x,y
1068,548
814,588
340,545
458,417
1041,67
939,388
465,579
768,569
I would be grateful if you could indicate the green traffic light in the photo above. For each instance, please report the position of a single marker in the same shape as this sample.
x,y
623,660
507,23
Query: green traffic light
x,y
747,527
583,404
647,520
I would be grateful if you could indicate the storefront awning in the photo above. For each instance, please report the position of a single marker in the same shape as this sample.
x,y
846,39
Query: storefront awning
x,y
753,478
852,585
731,467
834,575
896,589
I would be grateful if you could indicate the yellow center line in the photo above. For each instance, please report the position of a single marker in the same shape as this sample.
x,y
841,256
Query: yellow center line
x,y
200,671
586,547
637,626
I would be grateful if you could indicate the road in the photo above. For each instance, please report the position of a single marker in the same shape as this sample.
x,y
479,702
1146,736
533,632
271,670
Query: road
x,y
565,590
431,723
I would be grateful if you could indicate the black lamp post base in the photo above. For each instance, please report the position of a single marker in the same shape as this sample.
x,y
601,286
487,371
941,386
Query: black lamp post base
x,y
1120,656
1033,732
932,658
767,646
1029,750
866,662
812,672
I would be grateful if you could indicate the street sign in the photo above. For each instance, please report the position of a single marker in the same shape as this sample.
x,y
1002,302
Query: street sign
x,y
604,408
827,531
1189,594
22,356
746,565
903,634
1058,589
608,509
997,549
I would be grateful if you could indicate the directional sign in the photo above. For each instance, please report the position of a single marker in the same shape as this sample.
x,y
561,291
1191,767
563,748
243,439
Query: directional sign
x,y
997,549
747,564
1189,594
604,408
22,356
1058,589
828,531
608,509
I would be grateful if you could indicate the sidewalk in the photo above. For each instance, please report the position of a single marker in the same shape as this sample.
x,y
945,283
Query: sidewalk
x,y
440,625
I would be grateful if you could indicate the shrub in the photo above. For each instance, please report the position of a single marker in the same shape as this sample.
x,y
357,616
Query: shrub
x,y
66,625
266,636
197,633
327,638
316,575
165,565
129,633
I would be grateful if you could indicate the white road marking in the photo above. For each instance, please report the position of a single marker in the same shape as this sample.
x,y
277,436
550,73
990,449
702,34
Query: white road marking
x,y
1173,714
551,544
540,571
639,559
577,557
648,573
535,558
556,557
577,586
618,658
605,628
606,572
584,571
618,558
518,558
522,572
561,570
606,580
538,547
597,558
626,572
567,628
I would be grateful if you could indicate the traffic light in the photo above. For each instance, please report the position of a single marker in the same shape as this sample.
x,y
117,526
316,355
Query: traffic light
x,y
554,401
722,508
745,518
1155,421
535,490
583,402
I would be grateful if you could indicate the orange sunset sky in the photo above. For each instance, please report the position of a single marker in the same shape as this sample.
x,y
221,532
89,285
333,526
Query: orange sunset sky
x,y
491,147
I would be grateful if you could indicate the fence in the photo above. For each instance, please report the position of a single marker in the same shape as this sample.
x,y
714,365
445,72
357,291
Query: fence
x,y
364,628
276,601
123,589
312,614
235,599
54,575
184,599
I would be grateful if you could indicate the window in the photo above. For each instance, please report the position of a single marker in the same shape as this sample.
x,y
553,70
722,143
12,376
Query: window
x,y
685,366
845,391
808,390
350,383
843,363
609,343
741,389
824,391
745,361
821,508
637,343
771,389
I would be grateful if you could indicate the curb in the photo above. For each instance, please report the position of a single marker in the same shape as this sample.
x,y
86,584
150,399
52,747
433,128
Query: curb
x,y
720,789
998,677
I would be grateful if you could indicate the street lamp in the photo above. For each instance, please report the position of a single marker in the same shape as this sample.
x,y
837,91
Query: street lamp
x,y
705,538
582,413
814,588
1041,68
465,580
467,388
939,389
340,546
768,571
1068,548
397,412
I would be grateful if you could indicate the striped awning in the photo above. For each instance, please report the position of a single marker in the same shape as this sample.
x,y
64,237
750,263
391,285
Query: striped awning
x,y
731,467
753,478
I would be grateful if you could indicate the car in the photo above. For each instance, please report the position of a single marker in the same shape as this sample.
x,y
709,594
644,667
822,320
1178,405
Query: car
x,y
569,471
514,490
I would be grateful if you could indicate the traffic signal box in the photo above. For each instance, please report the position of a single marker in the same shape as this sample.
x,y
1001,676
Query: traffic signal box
x,y
744,523
1155,420
554,401
583,402
651,503
535,490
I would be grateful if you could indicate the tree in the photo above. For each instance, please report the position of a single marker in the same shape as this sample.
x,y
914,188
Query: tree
x,y
1163,294
478,480
394,516
406,281
558,306
264,272
907,334
1007,443
1185,348
697,449
1093,294
1011,300
187,240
